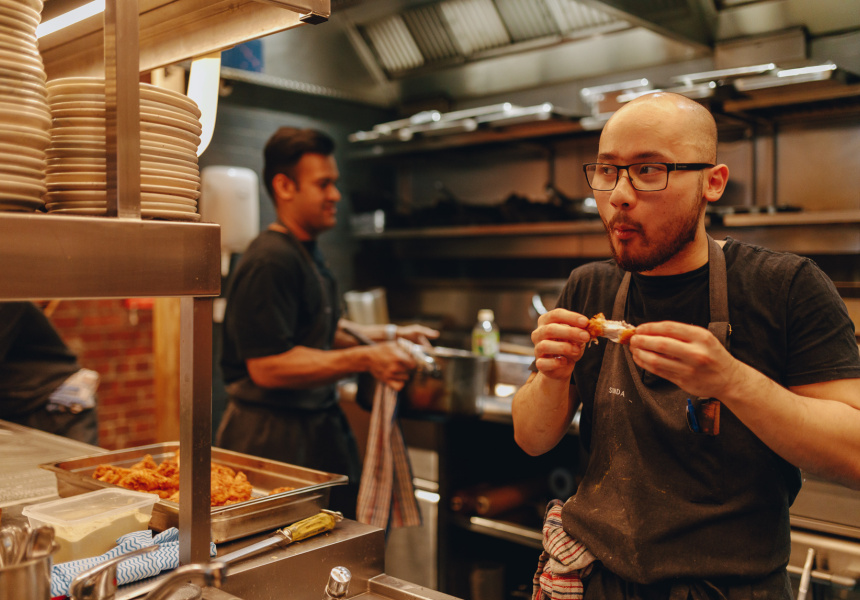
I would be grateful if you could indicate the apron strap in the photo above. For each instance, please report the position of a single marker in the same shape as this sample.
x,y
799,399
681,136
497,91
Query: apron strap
x,y
719,300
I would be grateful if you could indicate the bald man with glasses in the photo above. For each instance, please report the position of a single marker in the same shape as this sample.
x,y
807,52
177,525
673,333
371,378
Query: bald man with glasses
x,y
743,370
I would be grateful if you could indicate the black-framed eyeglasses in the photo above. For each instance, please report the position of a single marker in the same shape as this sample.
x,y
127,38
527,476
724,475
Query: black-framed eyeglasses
x,y
645,177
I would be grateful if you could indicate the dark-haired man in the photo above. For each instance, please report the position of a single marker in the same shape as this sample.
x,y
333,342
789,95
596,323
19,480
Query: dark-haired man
x,y
284,349
743,369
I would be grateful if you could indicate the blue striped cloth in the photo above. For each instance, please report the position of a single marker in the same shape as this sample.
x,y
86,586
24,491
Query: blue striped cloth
x,y
135,568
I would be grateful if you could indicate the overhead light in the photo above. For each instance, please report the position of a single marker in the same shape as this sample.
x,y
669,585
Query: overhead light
x,y
70,18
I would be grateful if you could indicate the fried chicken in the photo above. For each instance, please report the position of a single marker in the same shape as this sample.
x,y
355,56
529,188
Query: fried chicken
x,y
616,331
228,486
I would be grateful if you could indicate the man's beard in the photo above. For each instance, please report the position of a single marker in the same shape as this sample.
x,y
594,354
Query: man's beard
x,y
655,253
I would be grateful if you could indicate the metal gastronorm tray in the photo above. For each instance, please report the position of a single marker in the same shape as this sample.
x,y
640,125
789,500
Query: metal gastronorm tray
x,y
261,513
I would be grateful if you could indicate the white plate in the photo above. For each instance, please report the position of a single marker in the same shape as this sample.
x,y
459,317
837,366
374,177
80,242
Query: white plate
x,y
81,132
75,152
22,56
24,160
9,43
23,115
169,131
165,96
85,179
170,169
26,188
76,105
165,117
76,98
149,150
173,143
20,70
174,111
32,4
169,215
36,175
78,121
26,137
7,148
75,85
170,190
189,176
21,86
14,204
178,182
23,18
103,205
53,196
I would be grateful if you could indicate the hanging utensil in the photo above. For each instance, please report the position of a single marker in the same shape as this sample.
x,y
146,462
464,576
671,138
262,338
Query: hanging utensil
x,y
40,542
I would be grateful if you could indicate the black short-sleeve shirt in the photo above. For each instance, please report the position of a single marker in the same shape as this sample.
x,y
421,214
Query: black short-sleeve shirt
x,y
276,301
787,318
34,360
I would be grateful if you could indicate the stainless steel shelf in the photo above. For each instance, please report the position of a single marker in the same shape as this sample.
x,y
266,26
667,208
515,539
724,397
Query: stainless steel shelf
x,y
47,256
809,233
505,530
172,31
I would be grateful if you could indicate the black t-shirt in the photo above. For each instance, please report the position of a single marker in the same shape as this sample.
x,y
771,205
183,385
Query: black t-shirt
x,y
276,301
787,318
34,360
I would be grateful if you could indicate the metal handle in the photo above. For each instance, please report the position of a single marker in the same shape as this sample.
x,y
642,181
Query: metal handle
x,y
99,582
803,588
822,577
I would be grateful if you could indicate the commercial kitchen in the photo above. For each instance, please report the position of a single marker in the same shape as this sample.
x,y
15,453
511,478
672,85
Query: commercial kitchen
x,y
461,127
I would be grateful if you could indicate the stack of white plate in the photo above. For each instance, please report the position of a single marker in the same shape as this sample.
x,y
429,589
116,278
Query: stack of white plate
x,y
169,135
24,114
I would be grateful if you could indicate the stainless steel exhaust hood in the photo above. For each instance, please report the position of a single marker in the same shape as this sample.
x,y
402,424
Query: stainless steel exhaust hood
x,y
396,52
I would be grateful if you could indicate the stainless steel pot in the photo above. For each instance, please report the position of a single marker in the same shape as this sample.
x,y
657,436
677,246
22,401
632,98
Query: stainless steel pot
x,y
461,378
28,579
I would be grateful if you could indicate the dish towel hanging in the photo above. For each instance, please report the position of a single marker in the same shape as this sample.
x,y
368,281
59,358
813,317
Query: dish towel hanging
x,y
563,562
386,497
135,568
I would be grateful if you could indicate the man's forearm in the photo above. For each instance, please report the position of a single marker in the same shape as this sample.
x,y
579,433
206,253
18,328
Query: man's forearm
x,y
814,427
542,411
303,367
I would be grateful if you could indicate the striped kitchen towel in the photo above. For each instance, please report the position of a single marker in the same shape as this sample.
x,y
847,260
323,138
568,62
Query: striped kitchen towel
x,y
386,497
563,562
135,568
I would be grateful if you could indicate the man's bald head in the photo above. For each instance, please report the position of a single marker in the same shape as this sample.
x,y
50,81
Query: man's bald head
x,y
695,124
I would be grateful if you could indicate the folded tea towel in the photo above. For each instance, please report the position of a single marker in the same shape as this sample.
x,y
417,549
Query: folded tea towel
x,y
563,562
386,496
135,568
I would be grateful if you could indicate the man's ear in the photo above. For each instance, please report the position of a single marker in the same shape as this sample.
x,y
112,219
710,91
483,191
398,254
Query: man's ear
x,y
715,183
283,186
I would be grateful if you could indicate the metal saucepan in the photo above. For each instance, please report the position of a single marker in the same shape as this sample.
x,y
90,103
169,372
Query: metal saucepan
x,y
461,378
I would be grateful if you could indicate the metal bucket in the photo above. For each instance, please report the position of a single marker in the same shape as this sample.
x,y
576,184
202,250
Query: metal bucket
x,y
461,379
29,579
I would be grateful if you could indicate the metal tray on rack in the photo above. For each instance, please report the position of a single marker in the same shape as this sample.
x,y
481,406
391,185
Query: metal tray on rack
x,y
262,512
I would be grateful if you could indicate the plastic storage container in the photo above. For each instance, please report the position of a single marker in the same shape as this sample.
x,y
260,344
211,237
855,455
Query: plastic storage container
x,y
89,524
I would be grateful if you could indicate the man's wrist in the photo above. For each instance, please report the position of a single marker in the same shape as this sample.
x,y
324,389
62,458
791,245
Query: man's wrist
x,y
391,331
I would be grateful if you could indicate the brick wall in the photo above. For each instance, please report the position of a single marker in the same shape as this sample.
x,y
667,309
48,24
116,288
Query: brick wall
x,y
115,339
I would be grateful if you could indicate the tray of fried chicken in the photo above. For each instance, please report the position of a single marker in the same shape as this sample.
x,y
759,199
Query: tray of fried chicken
x,y
249,494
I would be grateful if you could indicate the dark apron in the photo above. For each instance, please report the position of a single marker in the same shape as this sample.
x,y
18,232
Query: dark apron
x,y
318,336
660,502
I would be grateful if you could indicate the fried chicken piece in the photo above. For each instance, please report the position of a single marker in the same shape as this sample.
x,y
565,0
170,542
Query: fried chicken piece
x,y
147,462
147,480
616,331
228,486
110,473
